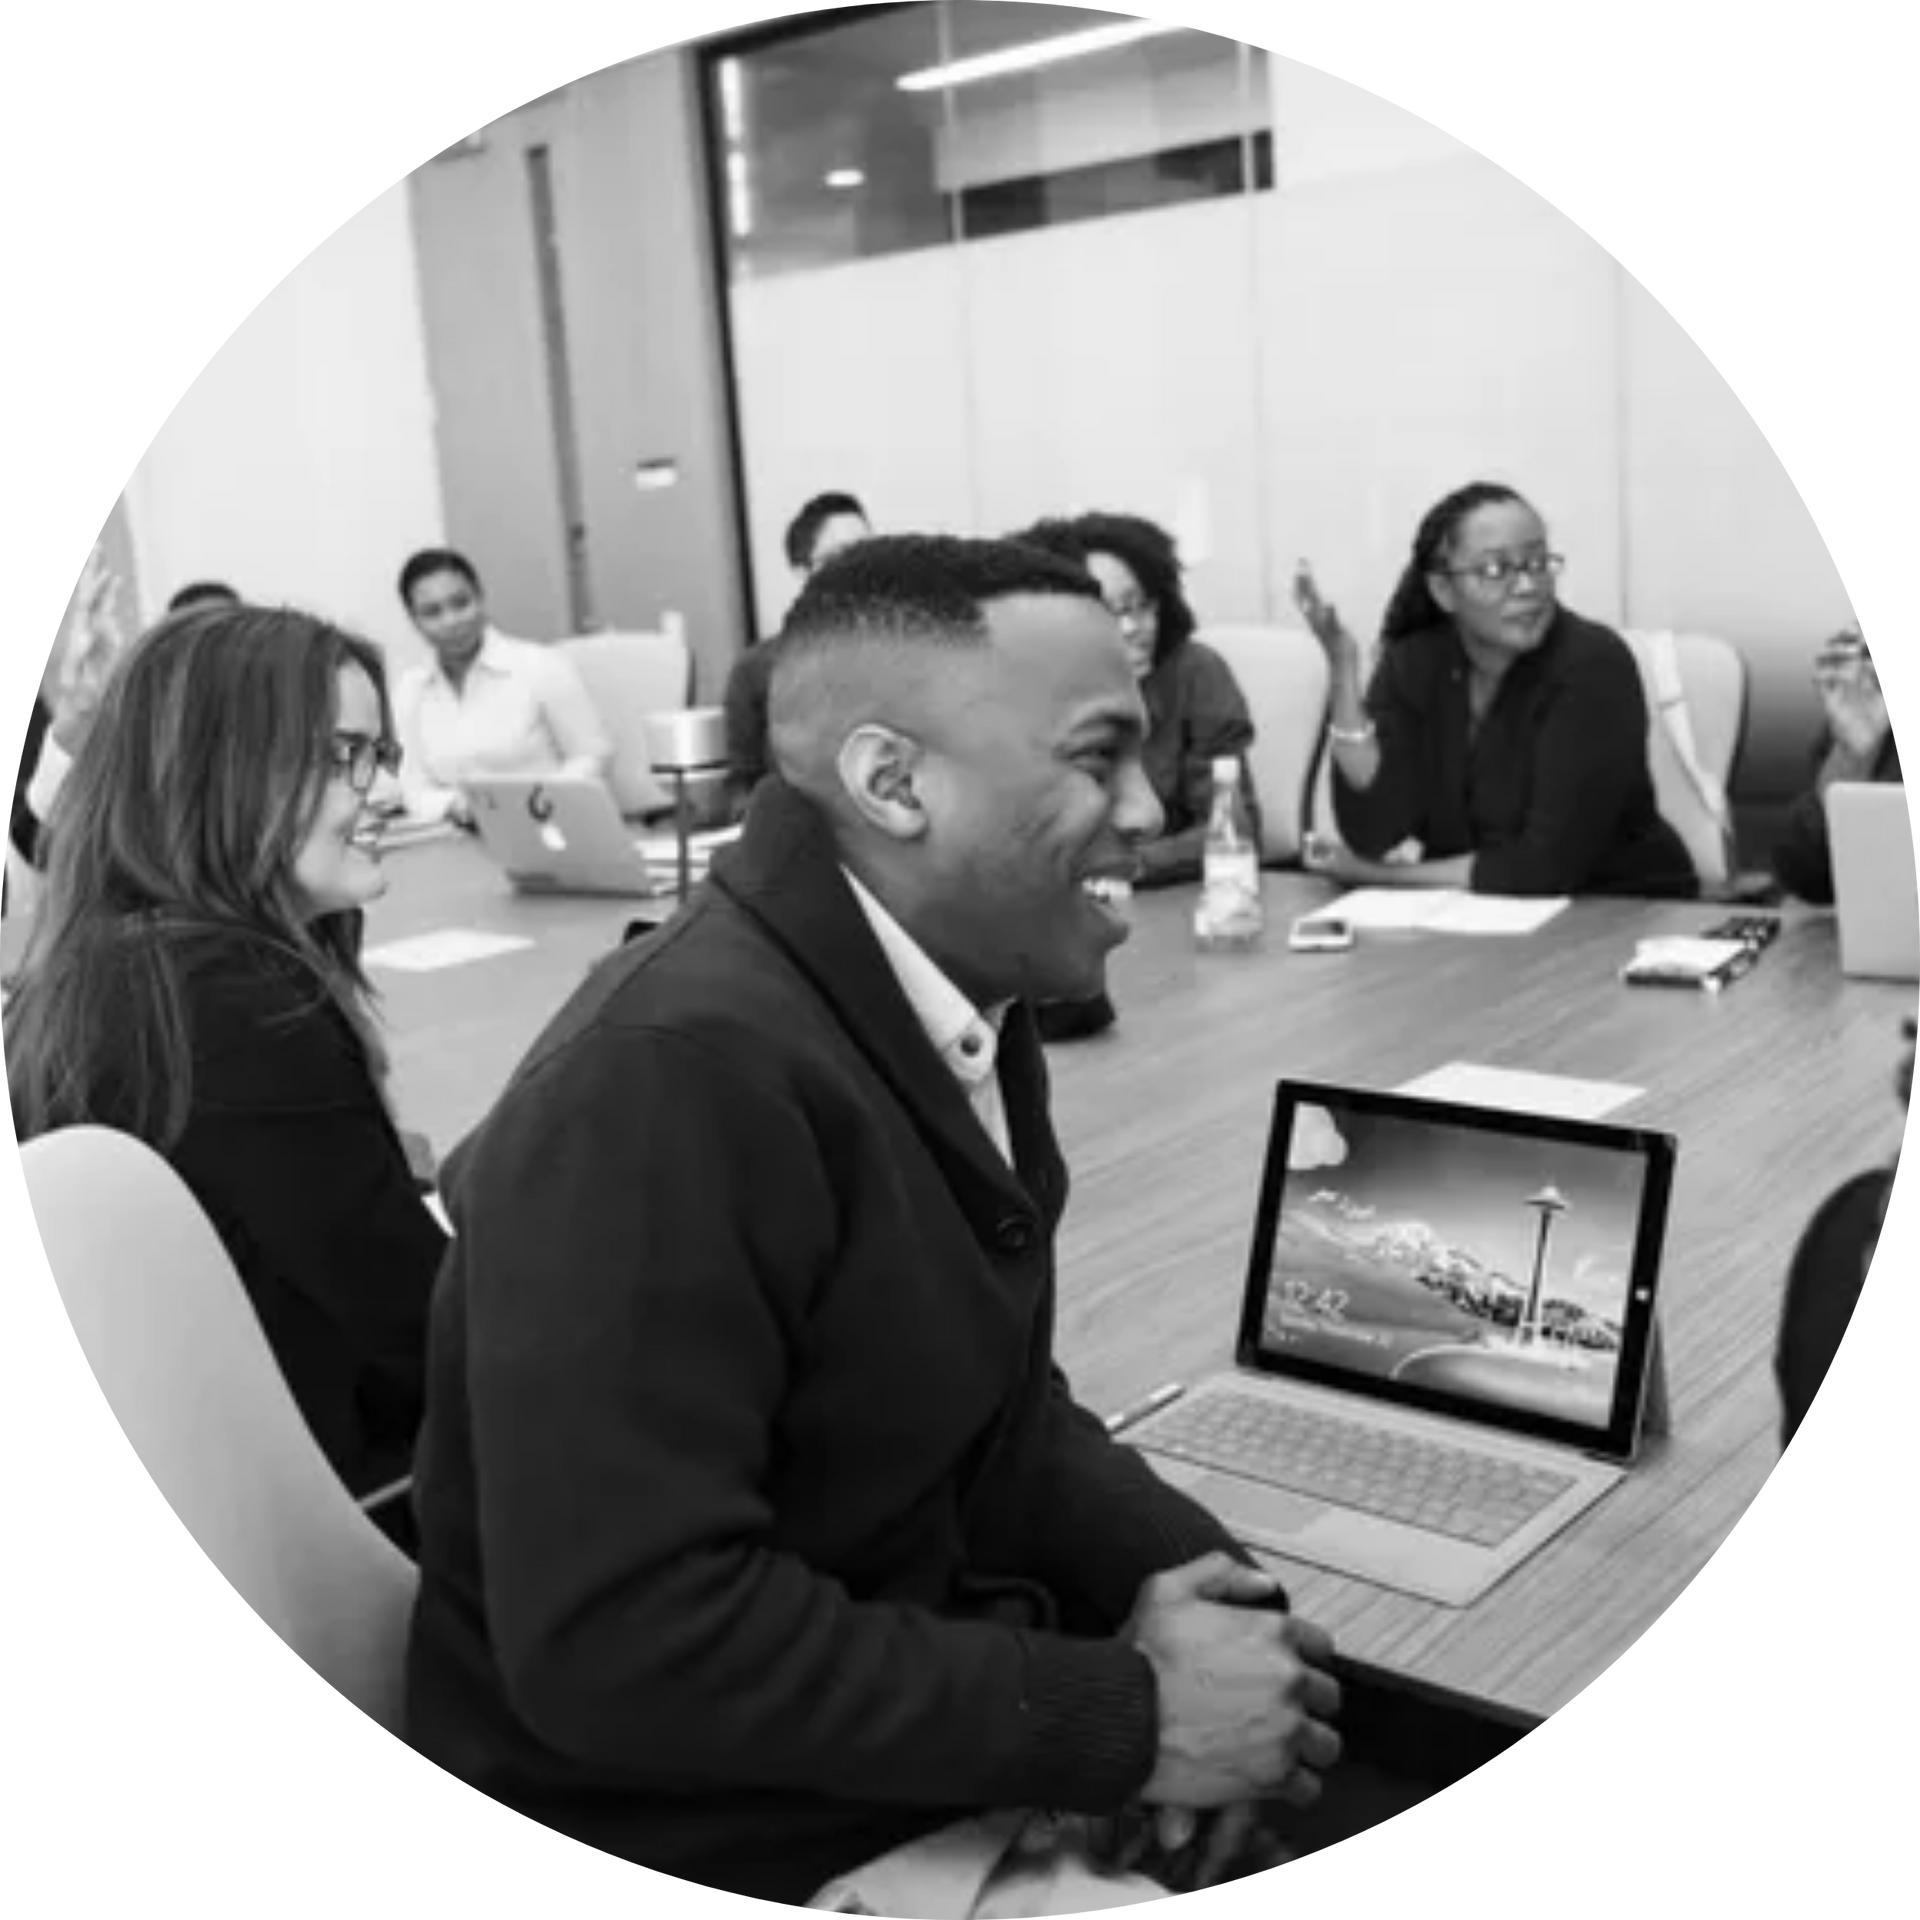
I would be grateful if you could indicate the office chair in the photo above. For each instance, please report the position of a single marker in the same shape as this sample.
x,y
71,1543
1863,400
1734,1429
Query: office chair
x,y
628,676
174,1342
1283,673
1697,720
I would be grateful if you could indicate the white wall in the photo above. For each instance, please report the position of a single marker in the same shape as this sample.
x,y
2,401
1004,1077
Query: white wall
x,y
1113,365
1718,538
1431,320
300,465
852,378
1424,320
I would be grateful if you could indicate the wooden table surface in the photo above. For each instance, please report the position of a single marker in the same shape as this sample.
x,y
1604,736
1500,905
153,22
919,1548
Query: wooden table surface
x,y
1777,1088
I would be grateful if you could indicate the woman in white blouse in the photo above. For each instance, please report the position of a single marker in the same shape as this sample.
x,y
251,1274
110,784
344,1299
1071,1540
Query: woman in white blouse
x,y
489,704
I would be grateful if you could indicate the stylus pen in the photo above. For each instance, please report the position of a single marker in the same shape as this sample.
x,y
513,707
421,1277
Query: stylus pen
x,y
1133,1415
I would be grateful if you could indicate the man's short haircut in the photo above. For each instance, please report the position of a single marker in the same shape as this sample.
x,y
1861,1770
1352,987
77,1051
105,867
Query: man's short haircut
x,y
931,586
432,560
892,598
200,593
804,528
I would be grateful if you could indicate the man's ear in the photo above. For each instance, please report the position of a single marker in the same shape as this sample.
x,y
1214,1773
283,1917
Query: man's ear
x,y
877,768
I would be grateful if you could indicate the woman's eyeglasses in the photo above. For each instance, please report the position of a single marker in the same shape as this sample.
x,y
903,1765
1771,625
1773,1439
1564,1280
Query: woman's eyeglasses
x,y
1131,613
1498,571
359,759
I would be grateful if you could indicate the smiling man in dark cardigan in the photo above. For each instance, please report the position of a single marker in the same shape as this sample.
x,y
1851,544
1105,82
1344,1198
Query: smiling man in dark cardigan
x,y
762,1542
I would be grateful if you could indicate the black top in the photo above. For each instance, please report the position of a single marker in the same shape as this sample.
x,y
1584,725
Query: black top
x,y
291,1153
1196,714
1802,862
1551,796
1829,1268
745,707
758,1532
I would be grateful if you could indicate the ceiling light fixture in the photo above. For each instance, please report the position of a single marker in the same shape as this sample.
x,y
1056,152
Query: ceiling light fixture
x,y
846,177
1033,53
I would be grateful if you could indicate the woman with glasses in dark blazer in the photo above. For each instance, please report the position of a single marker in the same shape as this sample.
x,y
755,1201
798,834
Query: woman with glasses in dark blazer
x,y
193,978
1501,745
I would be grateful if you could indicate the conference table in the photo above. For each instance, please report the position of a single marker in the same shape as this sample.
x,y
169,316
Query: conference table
x,y
1777,1088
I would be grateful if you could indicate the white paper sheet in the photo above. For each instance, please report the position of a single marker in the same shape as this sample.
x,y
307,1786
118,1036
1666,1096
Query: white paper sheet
x,y
1517,1090
1494,913
448,947
1383,909
1438,910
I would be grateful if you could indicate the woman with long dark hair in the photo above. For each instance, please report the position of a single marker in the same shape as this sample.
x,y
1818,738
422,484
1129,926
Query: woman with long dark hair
x,y
193,978
1502,742
1196,712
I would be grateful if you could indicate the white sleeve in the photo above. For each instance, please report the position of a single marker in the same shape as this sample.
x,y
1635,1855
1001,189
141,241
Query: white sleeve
x,y
426,799
579,734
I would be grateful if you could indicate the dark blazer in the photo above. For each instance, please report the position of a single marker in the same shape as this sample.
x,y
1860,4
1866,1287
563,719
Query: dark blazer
x,y
1552,795
1802,861
289,1149
759,1533
744,706
1823,1286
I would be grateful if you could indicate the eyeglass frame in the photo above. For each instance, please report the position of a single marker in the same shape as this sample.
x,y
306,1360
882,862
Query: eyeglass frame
x,y
360,758
1499,571
1133,613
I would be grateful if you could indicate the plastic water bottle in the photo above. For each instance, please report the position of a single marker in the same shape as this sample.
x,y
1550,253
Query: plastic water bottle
x,y
1229,916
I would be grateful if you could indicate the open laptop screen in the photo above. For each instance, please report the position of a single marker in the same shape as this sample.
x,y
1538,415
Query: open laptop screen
x,y
1495,1265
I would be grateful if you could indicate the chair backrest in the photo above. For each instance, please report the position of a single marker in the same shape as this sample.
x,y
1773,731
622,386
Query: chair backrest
x,y
1713,679
628,676
1283,673
174,1342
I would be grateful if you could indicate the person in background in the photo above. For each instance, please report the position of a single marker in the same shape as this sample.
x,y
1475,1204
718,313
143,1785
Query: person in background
x,y
193,979
826,524
203,593
489,704
77,668
1828,1270
1856,744
1502,743
1196,712
762,1542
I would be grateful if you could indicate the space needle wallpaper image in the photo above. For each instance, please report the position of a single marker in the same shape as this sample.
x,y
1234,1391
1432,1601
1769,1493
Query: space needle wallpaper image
x,y
1488,1266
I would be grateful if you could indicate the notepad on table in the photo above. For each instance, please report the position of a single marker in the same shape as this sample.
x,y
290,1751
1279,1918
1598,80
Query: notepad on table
x,y
1439,910
1515,1090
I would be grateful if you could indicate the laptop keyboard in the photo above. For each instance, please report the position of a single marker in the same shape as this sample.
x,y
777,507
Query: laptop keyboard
x,y
1454,1491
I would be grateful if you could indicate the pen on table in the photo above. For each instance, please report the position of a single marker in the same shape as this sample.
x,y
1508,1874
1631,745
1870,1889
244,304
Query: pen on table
x,y
1133,1415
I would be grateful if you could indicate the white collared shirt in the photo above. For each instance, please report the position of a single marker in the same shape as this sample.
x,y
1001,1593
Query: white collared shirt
x,y
964,1037
522,708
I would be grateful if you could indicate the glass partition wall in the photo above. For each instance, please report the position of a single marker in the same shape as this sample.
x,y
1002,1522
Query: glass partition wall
x,y
987,261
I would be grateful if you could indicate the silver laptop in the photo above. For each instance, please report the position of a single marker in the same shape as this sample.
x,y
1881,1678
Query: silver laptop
x,y
1446,1338
1870,841
553,835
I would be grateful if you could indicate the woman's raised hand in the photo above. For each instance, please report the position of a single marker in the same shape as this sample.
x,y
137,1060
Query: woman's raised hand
x,y
1323,619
